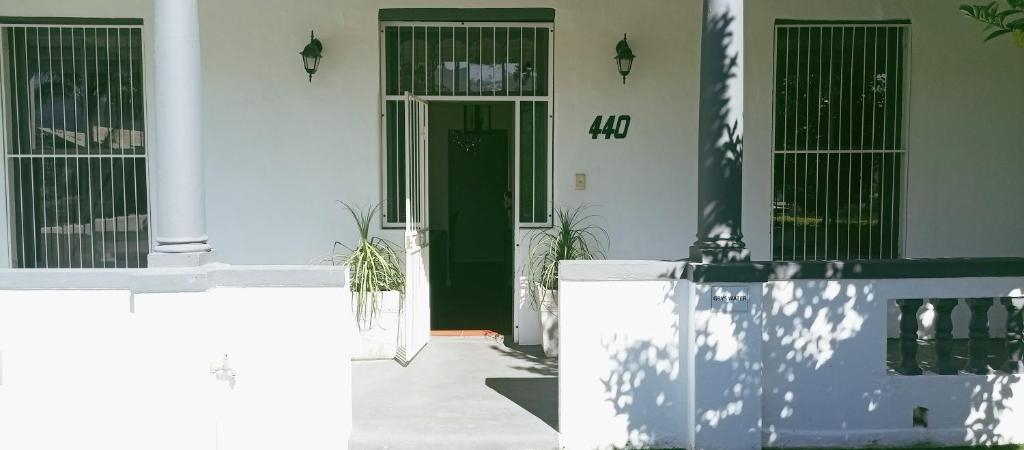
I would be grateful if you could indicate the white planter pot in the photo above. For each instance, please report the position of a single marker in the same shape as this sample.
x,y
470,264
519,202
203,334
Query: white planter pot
x,y
527,316
377,339
549,321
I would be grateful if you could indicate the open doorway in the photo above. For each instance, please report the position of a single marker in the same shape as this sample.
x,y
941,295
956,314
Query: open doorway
x,y
471,189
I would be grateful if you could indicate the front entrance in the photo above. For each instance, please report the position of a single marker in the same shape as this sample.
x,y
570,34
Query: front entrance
x,y
472,228
485,89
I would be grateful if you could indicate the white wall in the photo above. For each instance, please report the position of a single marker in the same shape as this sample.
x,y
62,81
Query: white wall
x,y
806,367
319,142
645,360
826,382
109,369
622,366
279,150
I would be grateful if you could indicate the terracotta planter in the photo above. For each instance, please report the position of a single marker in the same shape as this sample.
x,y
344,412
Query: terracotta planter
x,y
549,321
377,339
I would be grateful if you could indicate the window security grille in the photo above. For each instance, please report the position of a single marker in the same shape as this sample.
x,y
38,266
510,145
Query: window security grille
x,y
470,62
75,146
839,148
533,162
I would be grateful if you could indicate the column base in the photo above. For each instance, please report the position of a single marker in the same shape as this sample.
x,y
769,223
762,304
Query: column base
x,y
190,259
704,253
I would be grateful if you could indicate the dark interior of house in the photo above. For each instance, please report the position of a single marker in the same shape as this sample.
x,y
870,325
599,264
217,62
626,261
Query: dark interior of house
x,y
471,253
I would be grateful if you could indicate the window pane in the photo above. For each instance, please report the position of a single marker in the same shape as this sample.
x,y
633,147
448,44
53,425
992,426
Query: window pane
x,y
527,193
897,74
433,60
541,71
461,61
501,60
77,161
540,162
419,57
405,62
474,50
395,162
529,79
533,163
836,173
391,63
487,61
515,58
447,66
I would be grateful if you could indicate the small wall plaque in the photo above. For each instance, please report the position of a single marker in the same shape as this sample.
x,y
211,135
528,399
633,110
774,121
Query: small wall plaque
x,y
730,299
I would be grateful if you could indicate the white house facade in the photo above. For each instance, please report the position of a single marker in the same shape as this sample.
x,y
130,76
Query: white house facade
x,y
788,187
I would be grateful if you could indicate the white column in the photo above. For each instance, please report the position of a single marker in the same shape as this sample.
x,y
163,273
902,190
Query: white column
x,y
720,136
180,208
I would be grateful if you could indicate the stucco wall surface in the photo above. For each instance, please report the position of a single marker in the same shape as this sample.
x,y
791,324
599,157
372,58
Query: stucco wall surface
x,y
826,381
803,366
622,368
112,369
280,150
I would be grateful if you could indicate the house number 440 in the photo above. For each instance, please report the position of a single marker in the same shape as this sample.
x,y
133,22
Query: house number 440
x,y
617,126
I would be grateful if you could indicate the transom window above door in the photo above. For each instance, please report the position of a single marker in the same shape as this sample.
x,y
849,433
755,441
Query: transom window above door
x,y
460,60
839,149
75,150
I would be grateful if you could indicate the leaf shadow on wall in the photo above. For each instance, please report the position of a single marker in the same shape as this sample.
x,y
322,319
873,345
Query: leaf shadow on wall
x,y
822,371
720,139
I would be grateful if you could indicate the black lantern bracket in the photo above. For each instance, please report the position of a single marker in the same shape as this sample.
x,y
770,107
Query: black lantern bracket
x,y
311,55
624,57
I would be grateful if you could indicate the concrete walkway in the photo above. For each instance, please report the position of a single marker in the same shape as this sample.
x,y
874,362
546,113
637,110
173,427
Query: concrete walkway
x,y
459,393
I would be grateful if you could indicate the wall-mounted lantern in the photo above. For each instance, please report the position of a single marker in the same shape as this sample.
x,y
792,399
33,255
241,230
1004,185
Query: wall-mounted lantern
x,y
311,55
624,57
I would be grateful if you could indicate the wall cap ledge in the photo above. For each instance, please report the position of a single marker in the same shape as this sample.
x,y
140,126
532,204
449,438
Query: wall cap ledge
x,y
764,271
187,279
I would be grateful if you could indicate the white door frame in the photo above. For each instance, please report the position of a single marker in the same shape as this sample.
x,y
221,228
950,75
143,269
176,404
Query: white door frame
x,y
525,331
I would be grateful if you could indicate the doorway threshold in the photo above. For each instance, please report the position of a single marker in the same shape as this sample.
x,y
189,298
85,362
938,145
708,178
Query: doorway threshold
x,y
466,333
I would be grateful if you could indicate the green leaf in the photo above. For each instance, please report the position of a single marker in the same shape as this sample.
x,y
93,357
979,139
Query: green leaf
x,y
996,34
1002,15
374,265
574,236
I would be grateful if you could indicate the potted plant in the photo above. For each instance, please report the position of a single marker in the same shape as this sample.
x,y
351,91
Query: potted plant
x,y
377,284
574,236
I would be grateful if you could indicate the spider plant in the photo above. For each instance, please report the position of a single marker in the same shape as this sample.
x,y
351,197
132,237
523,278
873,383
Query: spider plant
x,y
574,236
374,265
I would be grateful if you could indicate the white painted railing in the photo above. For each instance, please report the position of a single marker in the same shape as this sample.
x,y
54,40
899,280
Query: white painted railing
x,y
940,314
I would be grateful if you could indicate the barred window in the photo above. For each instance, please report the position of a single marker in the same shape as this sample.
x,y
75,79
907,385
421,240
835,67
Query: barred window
x,y
839,148
470,62
75,146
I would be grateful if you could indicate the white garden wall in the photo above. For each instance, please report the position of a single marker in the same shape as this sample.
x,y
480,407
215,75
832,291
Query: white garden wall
x,y
279,150
803,366
621,368
113,369
826,382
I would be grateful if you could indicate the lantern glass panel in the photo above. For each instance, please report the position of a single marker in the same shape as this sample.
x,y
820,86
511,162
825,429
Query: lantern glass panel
x,y
625,65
